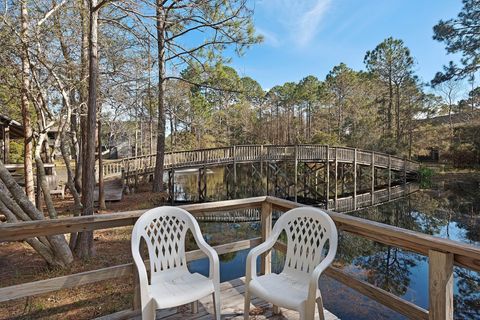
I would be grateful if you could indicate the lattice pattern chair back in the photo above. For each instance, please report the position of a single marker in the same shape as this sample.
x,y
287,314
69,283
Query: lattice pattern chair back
x,y
308,231
164,230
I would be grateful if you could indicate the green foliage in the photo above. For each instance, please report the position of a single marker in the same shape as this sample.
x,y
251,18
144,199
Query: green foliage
x,y
426,175
460,35
16,151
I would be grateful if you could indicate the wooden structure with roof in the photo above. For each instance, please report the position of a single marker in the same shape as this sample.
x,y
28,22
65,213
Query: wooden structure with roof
x,y
9,129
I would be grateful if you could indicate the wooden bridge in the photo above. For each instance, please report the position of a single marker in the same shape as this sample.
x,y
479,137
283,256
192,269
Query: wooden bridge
x,y
338,178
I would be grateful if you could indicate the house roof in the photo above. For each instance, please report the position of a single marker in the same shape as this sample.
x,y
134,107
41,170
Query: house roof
x,y
456,118
16,128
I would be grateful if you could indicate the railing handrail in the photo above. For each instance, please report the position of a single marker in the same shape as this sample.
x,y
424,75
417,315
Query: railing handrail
x,y
436,248
265,148
467,255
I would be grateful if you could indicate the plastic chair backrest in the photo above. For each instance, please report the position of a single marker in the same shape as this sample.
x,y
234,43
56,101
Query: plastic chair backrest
x,y
164,231
308,230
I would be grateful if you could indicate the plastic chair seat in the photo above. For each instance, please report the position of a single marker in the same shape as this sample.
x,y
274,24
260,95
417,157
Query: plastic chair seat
x,y
179,288
281,289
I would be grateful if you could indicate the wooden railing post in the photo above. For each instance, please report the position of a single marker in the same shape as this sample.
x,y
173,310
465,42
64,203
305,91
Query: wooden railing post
x,y
355,179
440,285
327,178
137,303
389,177
373,179
336,179
296,171
266,220
234,172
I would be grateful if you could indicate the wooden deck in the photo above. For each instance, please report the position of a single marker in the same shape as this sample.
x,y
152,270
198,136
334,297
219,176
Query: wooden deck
x,y
232,294
442,254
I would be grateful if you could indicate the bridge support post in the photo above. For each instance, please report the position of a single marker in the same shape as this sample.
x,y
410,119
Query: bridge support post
x,y
171,185
373,179
202,184
389,177
355,179
327,179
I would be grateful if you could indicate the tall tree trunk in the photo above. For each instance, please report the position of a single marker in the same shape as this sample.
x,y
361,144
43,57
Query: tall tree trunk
x,y
84,61
158,176
84,247
27,125
390,103
101,186
397,89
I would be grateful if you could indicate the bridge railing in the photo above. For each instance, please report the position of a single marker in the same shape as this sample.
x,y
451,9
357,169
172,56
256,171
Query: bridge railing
x,y
256,153
442,254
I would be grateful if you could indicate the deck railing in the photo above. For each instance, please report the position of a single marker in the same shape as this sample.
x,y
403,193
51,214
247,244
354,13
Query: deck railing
x,y
443,254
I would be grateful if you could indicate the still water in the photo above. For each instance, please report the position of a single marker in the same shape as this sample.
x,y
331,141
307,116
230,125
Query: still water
x,y
449,209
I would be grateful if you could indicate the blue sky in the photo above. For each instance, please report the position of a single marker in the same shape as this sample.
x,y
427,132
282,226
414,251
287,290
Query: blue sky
x,y
310,37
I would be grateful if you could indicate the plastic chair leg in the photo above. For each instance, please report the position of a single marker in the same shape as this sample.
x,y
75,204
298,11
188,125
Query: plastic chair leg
x,y
149,311
216,304
246,309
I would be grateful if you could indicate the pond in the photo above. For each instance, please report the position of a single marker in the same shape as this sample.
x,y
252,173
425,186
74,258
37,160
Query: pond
x,y
449,209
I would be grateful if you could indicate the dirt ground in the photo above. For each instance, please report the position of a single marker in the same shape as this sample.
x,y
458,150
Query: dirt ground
x,y
20,264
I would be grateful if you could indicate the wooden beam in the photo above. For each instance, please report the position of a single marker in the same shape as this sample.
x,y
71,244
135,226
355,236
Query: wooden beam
x,y
124,270
336,179
440,285
6,144
296,171
30,229
327,179
389,177
355,179
373,179
266,221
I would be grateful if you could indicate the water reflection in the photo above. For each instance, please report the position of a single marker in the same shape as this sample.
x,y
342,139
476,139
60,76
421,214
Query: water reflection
x,y
451,209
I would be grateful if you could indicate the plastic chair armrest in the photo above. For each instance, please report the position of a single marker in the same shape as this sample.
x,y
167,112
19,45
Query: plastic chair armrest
x,y
212,255
317,272
254,253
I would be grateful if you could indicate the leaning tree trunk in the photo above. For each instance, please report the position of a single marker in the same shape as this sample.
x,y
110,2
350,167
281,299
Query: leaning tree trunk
x,y
70,178
158,175
54,249
84,246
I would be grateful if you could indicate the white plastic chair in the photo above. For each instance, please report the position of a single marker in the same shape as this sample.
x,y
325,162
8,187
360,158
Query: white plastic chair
x,y
171,284
296,287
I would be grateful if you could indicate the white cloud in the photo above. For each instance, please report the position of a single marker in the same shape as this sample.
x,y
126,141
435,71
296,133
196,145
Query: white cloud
x,y
309,23
297,20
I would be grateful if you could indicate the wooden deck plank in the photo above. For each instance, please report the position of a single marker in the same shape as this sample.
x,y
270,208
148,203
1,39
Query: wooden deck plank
x,y
232,299
113,190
